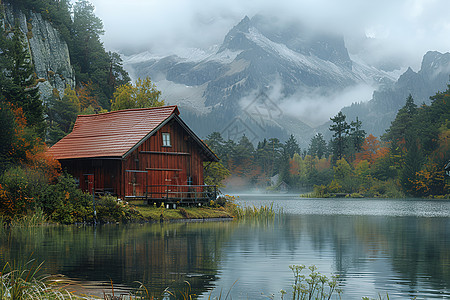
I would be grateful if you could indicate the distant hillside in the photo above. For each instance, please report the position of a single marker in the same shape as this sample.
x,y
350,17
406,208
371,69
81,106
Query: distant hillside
x,y
378,113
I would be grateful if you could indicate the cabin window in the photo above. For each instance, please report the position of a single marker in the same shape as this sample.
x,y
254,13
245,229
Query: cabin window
x,y
166,139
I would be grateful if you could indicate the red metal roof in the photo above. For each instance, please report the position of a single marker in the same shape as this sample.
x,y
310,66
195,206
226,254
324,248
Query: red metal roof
x,y
110,134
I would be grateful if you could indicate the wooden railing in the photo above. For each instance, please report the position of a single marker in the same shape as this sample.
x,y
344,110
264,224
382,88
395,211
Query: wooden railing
x,y
181,194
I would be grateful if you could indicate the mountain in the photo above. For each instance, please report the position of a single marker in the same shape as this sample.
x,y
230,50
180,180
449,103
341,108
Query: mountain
x,y
378,113
243,84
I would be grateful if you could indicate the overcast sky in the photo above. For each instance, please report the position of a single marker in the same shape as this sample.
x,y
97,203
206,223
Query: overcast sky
x,y
401,30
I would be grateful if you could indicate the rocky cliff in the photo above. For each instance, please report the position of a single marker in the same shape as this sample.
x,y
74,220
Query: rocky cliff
x,y
49,52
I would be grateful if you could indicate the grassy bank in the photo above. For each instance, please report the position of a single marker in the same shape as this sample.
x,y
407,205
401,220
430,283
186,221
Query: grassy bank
x,y
150,213
223,207
110,210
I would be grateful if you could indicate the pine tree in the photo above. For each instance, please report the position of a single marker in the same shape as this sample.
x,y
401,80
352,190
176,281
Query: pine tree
x,y
244,152
17,80
412,164
263,156
216,143
357,135
402,124
341,129
87,29
318,146
91,62
7,135
402,135
291,146
117,76
62,114
284,167
275,151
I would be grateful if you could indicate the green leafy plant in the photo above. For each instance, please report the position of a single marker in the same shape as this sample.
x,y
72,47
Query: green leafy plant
x,y
313,285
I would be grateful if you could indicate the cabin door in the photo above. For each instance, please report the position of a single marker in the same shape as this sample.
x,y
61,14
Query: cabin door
x,y
171,184
88,184
136,183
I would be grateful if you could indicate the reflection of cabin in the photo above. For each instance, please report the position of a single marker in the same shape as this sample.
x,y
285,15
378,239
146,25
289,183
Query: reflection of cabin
x,y
447,168
147,153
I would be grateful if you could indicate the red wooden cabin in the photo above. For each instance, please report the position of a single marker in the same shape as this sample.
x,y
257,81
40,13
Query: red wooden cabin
x,y
147,153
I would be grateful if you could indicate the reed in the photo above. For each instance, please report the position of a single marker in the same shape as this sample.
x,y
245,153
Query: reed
x,y
38,218
3,224
22,282
264,212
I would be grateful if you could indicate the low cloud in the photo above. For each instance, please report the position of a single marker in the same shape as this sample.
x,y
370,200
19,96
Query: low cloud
x,y
314,108
309,105
401,31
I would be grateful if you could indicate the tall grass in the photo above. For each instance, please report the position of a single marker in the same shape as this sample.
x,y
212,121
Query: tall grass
x,y
3,224
254,212
38,218
22,282
264,212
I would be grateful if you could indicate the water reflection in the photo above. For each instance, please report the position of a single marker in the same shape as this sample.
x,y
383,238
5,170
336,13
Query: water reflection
x,y
402,253
158,255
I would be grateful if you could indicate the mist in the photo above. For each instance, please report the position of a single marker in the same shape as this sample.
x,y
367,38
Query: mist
x,y
395,32
309,105
315,108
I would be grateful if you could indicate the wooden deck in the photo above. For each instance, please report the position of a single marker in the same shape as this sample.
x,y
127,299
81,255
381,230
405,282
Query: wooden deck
x,y
177,195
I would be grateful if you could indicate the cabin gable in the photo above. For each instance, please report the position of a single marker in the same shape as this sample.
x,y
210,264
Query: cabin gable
x,y
157,164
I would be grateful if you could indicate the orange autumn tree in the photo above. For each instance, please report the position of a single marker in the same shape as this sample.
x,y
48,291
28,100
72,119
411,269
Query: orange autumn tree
x,y
431,179
87,98
371,150
294,167
29,167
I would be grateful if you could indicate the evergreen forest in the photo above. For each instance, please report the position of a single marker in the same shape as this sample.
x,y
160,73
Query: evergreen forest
x,y
408,160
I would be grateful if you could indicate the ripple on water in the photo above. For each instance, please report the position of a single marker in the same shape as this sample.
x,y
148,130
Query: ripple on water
x,y
293,204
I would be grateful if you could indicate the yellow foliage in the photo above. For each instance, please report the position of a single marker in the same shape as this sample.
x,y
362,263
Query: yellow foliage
x,y
334,186
342,169
142,94
71,96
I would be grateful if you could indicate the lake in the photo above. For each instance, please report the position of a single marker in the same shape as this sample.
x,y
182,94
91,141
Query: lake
x,y
399,247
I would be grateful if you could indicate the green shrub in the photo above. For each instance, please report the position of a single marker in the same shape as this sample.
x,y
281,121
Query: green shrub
x,y
20,190
320,191
221,201
26,191
355,195
110,209
64,203
385,189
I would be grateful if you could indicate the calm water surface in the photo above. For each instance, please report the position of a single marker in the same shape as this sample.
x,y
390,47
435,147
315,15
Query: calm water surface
x,y
401,247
